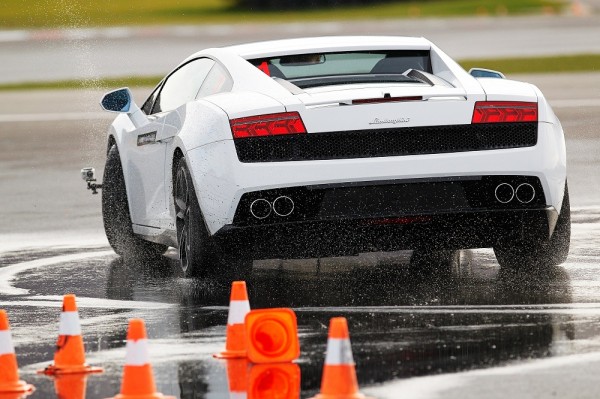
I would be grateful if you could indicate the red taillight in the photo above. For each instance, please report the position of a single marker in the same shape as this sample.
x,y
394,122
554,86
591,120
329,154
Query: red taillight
x,y
504,111
267,125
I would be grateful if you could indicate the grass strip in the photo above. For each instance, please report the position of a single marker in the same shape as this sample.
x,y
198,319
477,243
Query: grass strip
x,y
86,84
550,64
86,13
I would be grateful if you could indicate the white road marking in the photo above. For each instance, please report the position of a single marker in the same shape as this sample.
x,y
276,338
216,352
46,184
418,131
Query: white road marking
x,y
57,116
8,273
85,302
571,309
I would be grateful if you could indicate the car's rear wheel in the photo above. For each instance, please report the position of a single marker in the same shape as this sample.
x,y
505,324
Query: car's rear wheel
x,y
539,253
199,254
116,216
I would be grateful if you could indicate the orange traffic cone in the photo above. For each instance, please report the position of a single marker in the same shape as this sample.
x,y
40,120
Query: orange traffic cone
x,y
138,379
70,386
339,374
272,336
239,306
237,378
9,371
268,381
69,357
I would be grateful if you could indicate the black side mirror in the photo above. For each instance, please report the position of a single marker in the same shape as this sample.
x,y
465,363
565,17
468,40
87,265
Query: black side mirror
x,y
486,73
121,100
117,100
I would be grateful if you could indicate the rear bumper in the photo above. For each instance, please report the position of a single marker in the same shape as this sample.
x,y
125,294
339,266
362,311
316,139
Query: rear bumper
x,y
221,180
455,230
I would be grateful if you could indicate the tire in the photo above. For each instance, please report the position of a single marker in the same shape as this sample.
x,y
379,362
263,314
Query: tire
x,y
540,253
115,213
199,255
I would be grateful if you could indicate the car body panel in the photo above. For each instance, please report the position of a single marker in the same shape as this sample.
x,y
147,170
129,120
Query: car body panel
x,y
200,131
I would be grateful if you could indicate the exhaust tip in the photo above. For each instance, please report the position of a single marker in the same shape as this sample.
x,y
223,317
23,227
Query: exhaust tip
x,y
283,206
260,208
504,193
525,193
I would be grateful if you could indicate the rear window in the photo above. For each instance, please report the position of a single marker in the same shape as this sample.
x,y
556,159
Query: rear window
x,y
317,69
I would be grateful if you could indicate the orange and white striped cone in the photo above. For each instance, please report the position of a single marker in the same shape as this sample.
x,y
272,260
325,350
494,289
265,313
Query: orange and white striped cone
x,y
138,378
239,307
9,371
69,357
339,373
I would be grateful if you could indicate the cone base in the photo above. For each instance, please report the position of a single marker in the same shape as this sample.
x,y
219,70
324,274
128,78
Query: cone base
x,y
230,355
17,387
357,395
156,395
85,369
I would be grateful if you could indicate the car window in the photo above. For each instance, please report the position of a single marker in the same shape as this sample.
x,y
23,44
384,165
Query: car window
x,y
217,81
183,85
147,107
321,69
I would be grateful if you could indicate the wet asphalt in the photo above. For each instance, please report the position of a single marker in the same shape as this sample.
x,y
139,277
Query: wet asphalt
x,y
411,319
408,317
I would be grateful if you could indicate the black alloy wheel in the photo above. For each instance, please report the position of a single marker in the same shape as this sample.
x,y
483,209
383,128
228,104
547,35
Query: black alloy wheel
x,y
196,249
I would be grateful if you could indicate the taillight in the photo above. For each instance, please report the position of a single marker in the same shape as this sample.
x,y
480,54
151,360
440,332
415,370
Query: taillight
x,y
504,111
267,125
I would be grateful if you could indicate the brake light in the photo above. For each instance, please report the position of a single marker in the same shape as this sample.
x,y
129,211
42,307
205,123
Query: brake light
x,y
504,111
267,125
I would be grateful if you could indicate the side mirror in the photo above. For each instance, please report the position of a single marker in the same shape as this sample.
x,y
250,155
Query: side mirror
x,y
121,100
117,100
486,73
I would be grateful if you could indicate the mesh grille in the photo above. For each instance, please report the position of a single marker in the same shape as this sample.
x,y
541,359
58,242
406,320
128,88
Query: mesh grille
x,y
387,142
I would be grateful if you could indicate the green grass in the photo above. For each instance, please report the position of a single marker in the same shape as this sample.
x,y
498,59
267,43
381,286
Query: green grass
x,y
104,83
84,13
551,64
554,64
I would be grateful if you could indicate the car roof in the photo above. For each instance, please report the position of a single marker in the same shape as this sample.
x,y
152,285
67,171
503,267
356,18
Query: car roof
x,y
327,44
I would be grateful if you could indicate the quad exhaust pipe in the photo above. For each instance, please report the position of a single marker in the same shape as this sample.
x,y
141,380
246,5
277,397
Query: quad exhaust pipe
x,y
525,193
505,193
282,206
260,208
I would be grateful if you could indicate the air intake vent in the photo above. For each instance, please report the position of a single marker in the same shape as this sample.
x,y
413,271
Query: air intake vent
x,y
387,142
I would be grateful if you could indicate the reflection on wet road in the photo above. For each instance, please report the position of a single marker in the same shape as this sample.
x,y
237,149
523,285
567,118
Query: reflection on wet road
x,y
408,315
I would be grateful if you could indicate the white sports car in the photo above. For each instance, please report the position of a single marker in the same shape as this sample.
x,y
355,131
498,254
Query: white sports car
x,y
334,146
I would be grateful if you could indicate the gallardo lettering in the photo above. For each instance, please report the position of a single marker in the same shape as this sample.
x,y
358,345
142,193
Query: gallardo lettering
x,y
378,121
